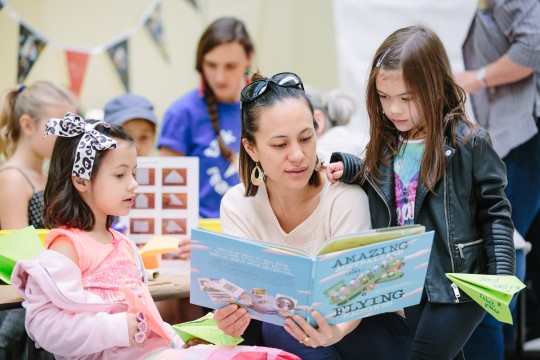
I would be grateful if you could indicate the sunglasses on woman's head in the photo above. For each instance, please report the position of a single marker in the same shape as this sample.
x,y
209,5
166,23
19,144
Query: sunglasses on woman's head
x,y
258,87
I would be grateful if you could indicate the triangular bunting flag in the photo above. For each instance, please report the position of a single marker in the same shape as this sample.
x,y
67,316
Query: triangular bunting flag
x,y
76,67
30,48
492,292
194,4
120,58
154,25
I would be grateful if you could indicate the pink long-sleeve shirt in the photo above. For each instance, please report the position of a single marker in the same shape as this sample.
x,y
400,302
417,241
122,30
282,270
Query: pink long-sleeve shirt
x,y
72,318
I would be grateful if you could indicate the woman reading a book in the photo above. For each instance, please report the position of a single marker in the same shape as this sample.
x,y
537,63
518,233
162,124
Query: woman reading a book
x,y
285,198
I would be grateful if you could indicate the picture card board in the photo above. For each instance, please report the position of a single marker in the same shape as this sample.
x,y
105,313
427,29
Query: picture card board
x,y
167,201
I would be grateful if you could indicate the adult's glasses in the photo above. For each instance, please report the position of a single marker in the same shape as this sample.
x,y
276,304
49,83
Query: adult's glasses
x,y
256,88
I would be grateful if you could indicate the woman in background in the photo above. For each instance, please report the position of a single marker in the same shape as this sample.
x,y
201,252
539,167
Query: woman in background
x,y
206,122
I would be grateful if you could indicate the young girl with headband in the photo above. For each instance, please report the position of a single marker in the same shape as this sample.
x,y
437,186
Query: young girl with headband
x,y
86,295
427,163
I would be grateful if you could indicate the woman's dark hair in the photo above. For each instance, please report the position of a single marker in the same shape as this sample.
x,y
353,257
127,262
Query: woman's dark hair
x,y
63,206
251,111
222,31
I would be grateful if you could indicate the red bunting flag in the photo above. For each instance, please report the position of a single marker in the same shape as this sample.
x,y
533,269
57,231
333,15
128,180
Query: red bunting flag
x,y
76,67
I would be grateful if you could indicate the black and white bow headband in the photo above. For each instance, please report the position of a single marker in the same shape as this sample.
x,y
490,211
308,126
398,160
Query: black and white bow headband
x,y
91,141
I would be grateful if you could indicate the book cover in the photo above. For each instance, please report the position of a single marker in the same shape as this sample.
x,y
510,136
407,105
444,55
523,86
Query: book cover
x,y
350,277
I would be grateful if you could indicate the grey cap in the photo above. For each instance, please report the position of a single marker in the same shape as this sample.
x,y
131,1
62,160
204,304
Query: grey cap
x,y
127,107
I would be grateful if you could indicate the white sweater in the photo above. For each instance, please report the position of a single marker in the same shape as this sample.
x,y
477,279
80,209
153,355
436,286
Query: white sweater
x,y
343,209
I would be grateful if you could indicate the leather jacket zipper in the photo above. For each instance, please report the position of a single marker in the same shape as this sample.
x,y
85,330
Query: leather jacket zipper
x,y
456,292
463,245
446,223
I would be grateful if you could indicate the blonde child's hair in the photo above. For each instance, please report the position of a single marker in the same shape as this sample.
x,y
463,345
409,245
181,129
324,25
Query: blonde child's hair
x,y
32,101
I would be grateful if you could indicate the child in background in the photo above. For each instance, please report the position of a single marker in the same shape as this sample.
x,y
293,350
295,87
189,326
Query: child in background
x,y
206,122
136,115
23,115
427,163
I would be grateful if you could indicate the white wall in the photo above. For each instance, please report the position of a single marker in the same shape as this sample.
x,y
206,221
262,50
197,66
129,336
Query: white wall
x,y
362,25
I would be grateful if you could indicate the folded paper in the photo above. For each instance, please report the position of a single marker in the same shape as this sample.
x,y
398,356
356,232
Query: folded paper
x,y
17,245
205,328
153,318
492,292
159,245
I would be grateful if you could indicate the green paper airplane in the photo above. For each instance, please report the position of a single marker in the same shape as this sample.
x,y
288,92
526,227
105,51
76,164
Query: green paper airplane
x,y
17,245
205,328
492,292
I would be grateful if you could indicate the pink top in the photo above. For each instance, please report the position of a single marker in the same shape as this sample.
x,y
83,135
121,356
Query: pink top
x,y
105,268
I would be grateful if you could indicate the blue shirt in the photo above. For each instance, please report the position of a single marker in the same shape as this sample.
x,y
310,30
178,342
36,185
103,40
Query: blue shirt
x,y
186,128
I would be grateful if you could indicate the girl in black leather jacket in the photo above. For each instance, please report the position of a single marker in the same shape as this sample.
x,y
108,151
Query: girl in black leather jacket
x,y
426,163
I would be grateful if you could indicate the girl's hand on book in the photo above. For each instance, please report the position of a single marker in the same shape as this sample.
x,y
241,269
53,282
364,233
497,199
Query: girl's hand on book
x,y
324,335
232,319
334,171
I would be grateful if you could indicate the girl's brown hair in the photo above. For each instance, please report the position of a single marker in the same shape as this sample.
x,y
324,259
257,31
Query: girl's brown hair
x,y
63,206
32,101
221,31
422,59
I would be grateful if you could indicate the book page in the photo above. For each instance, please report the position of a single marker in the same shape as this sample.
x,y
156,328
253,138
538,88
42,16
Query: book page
x,y
368,237
270,283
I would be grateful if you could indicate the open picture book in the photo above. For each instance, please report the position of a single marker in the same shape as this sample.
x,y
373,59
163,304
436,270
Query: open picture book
x,y
350,277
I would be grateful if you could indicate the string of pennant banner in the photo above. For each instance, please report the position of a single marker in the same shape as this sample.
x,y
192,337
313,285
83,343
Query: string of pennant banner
x,y
32,42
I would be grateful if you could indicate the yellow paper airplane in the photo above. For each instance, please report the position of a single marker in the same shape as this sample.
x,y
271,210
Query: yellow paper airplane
x,y
205,328
492,292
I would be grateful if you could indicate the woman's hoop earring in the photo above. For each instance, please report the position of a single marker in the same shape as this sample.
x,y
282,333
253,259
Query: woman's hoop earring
x,y
257,176
318,165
